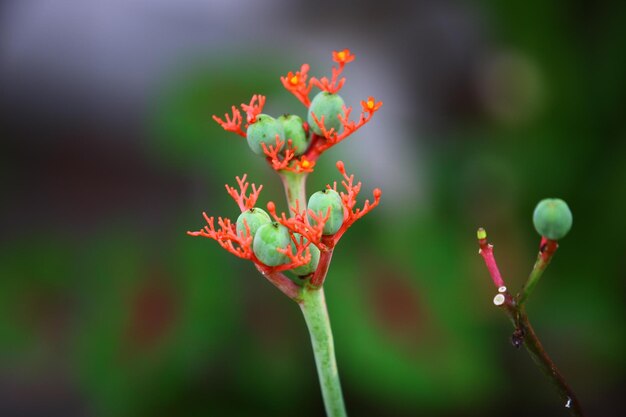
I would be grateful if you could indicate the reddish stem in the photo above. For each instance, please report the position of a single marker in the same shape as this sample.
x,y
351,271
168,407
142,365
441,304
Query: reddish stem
x,y
486,251
322,268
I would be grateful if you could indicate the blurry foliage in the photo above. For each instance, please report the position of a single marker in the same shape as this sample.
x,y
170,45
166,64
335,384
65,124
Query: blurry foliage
x,y
157,316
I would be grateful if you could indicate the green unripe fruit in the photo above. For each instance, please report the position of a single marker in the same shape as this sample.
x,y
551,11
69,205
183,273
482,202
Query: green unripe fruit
x,y
552,218
255,218
315,258
292,125
268,238
264,130
328,105
320,202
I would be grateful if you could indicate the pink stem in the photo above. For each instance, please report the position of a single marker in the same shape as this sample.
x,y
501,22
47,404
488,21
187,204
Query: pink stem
x,y
486,251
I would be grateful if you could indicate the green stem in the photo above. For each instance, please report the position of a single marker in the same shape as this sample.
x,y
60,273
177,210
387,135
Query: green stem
x,y
313,307
295,188
543,260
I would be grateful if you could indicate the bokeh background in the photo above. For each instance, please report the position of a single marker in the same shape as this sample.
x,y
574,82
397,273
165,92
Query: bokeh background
x,y
109,155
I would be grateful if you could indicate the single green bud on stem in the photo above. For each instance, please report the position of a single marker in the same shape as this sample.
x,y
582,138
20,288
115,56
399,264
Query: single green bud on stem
x,y
320,201
552,218
255,218
329,106
292,125
268,238
264,130
309,268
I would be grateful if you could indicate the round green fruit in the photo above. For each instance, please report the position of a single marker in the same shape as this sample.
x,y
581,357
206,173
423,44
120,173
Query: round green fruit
x,y
292,125
264,130
268,238
552,218
255,218
309,268
328,105
320,202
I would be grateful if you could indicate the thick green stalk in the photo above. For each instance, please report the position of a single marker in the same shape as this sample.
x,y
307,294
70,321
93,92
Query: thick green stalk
x,y
313,307
295,189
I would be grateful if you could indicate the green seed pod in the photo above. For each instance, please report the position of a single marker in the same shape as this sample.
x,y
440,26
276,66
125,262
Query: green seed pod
x,y
292,125
268,238
264,130
320,201
255,217
552,218
328,105
312,265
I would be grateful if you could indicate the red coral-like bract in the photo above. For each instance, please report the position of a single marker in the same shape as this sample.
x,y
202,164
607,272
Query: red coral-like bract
x,y
254,108
240,245
331,137
348,199
244,201
296,84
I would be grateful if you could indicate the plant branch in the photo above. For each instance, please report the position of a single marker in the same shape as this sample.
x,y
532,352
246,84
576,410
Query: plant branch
x,y
524,332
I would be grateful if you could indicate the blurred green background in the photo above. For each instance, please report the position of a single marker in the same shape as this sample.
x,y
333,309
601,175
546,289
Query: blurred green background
x,y
109,155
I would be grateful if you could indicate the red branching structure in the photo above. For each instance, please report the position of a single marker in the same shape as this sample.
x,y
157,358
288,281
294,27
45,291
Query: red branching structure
x,y
241,245
335,83
232,123
281,160
244,201
300,223
296,84
332,138
253,109
312,225
348,200
300,85
226,236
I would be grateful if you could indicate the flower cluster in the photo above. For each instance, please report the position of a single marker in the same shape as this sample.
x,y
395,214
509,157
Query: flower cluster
x,y
295,145
310,224
305,228
302,240
240,243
